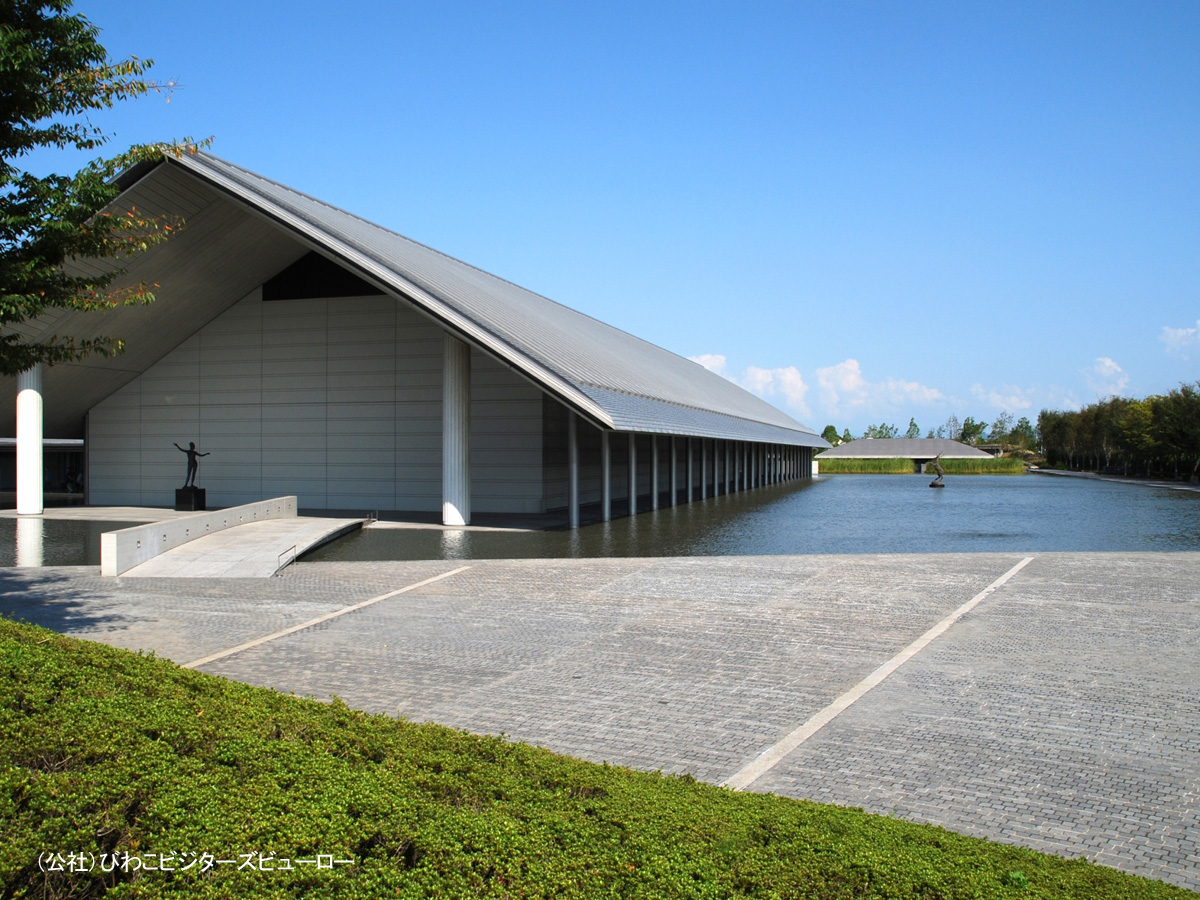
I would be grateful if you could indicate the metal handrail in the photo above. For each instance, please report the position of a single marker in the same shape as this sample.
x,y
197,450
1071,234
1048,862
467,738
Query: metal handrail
x,y
280,566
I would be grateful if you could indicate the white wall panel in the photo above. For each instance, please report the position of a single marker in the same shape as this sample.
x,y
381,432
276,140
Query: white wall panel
x,y
337,401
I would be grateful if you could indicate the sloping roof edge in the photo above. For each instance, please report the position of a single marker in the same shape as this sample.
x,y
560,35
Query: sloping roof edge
x,y
606,408
386,278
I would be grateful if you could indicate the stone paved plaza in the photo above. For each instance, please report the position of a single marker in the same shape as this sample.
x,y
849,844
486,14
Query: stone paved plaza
x,y
1061,713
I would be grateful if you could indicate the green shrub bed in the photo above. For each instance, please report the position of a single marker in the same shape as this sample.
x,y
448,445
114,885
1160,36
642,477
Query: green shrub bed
x,y
220,790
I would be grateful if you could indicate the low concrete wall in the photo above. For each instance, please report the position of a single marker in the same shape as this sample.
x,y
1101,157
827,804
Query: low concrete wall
x,y
121,550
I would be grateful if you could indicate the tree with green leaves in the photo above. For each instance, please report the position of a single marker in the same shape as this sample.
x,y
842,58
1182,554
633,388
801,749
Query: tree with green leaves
x,y
53,72
952,429
999,431
831,434
1022,436
972,432
882,430
914,430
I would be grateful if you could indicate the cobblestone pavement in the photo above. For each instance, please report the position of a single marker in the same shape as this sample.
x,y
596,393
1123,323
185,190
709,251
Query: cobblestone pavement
x,y
1061,713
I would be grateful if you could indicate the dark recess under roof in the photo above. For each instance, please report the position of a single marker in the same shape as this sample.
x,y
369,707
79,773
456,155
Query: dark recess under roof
x,y
313,276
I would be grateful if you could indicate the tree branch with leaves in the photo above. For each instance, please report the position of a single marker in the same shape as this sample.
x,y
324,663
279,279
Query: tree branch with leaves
x,y
53,71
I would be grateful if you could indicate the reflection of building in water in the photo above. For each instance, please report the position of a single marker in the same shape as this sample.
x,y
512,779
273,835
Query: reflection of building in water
x,y
30,541
456,543
316,354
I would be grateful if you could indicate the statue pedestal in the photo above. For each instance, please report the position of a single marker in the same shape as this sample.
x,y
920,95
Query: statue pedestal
x,y
190,499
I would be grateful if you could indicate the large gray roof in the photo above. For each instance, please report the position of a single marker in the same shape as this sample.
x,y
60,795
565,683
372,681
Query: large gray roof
x,y
903,448
613,378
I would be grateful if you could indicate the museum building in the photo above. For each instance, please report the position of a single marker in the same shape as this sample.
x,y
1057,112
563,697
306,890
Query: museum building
x,y
310,352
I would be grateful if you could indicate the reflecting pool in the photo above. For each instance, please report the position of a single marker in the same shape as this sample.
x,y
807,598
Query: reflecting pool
x,y
842,514
35,541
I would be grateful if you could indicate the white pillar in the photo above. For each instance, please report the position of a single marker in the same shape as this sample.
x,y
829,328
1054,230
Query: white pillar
x,y
572,470
632,474
605,478
689,470
456,432
674,472
654,471
29,442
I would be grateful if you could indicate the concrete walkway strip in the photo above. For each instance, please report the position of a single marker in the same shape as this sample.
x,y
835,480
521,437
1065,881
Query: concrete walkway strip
x,y
221,654
775,754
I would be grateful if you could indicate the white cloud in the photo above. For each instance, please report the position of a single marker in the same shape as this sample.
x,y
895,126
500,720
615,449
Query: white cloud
x,y
1007,397
786,382
1181,341
843,388
714,362
1105,377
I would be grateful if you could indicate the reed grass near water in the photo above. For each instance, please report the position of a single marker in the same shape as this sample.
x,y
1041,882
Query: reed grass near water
x,y
900,466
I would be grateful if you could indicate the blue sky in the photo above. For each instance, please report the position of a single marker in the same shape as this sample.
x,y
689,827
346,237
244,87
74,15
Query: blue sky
x,y
862,211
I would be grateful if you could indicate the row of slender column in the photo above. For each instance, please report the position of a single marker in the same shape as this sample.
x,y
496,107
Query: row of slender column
x,y
731,466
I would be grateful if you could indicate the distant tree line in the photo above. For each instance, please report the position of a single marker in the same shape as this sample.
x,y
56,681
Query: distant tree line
x,y
1010,436
1160,434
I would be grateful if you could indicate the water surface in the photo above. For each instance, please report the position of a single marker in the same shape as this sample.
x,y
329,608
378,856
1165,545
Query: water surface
x,y
35,541
842,514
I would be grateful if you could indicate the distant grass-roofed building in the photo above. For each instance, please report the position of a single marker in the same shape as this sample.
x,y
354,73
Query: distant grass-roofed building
x,y
918,451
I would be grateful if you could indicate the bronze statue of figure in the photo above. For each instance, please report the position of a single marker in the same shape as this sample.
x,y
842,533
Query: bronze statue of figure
x,y
193,463
941,474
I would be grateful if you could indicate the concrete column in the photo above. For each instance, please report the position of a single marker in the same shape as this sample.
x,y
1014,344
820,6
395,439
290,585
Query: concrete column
x,y
456,432
689,470
727,481
632,474
572,470
29,442
674,472
703,469
654,471
605,478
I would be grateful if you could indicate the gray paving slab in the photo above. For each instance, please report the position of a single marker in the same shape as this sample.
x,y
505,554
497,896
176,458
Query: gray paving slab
x,y
1060,713
1064,716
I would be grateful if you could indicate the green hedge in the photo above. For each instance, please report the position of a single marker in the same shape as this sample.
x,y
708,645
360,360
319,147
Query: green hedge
x,y
105,751
895,466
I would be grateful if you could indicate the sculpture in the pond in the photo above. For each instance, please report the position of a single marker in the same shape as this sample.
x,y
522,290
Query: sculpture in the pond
x,y
941,474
